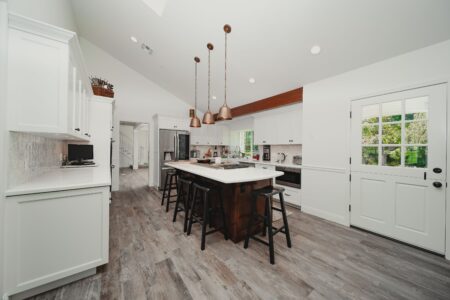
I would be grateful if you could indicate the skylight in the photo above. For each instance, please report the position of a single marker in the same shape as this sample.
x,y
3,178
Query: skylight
x,y
156,5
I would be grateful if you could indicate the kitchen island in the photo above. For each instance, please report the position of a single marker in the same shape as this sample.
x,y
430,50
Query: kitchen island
x,y
236,186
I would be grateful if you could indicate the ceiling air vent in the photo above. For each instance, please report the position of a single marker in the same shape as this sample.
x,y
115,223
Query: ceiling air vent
x,y
147,49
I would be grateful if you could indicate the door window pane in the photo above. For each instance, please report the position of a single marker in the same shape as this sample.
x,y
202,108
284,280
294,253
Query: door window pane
x,y
370,113
370,156
391,156
370,134
392,133
416,109
416,132
391,111
416,156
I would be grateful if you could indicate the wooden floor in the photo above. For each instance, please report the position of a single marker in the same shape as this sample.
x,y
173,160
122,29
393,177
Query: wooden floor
x,y
151,258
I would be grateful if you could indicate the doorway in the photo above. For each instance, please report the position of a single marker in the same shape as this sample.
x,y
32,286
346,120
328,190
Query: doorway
x,y
134,151
398,166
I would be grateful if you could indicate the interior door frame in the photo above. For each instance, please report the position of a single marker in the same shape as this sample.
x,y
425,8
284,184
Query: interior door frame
x,y
403,88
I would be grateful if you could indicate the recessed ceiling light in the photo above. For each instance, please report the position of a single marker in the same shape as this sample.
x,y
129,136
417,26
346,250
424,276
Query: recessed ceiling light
x,y
133,39
251,80
214,97
315,49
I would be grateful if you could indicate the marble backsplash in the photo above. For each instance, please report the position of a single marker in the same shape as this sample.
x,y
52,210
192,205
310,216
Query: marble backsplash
x,y
31,155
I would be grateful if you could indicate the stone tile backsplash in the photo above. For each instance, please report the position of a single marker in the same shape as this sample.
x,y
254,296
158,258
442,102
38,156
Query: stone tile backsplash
x,y
31,155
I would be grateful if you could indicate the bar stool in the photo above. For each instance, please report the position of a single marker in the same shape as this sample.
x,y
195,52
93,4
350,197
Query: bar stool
x,y
201,195
183,197
255,218
170,183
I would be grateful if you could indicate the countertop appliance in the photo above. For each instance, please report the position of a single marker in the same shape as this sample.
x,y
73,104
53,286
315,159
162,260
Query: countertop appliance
x,y
173,146
195,153
80,154
266,152
297,159
292,177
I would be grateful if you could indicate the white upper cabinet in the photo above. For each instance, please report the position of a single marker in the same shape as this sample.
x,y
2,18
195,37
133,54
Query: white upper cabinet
x,y
210,135
173,123
48,86
279,127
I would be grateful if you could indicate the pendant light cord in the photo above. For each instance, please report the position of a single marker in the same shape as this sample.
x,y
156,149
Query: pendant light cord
x,y
209,76
195,107
226,47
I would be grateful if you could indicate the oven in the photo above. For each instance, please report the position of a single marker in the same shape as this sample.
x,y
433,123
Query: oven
x,y
292,177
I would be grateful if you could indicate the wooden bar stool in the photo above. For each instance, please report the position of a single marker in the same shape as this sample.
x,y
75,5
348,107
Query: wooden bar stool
x,y
170,183
201,195
184,196
255,219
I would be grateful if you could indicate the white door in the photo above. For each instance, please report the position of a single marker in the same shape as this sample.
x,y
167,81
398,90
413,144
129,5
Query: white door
x,y
398,166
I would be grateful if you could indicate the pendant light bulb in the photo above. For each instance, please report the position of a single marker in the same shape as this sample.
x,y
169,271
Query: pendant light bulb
x,y
195,121
225,110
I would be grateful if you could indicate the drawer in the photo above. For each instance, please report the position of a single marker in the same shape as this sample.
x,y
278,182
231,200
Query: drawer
x,y
291,196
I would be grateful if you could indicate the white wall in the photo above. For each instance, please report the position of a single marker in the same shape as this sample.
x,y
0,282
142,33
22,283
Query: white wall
x,y
326,123
137,98
55,12
3,144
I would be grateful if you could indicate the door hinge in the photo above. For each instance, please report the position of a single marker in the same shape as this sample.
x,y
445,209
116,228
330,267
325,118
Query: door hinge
x,y
424,175
349,207
350,159
350,114
350,177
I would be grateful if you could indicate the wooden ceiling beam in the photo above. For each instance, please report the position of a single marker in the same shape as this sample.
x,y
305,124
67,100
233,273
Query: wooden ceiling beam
x,y
290,97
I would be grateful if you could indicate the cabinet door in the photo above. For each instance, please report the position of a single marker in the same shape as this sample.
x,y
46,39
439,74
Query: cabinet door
x,y
195,136
53,235
264,133
290,127
37,83
291,196
224,136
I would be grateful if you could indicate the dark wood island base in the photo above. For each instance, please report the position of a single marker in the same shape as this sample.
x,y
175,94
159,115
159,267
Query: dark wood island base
x,y
237,202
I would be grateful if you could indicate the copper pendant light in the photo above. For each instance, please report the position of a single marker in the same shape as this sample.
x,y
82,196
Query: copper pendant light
x,y
208,117
195,121
225,110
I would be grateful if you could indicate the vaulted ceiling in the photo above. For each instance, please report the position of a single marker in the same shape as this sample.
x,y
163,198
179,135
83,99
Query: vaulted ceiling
x,y
270,39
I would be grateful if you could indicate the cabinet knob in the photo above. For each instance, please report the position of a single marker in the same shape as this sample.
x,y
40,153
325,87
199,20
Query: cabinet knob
x,y
77,129
437,170
437,184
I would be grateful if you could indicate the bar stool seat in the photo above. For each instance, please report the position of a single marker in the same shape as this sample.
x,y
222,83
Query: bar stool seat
x,y
183,202
170,183
201,195
267,194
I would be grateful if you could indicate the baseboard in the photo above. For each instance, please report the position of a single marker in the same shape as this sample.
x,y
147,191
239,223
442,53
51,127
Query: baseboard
x,y
52,285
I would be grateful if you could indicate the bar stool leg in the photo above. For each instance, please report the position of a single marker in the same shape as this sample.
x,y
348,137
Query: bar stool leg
x,y
168,193
164,190
264,231
205,219
187,199
177,204
285,221
224,220
269,225
192,209
250,221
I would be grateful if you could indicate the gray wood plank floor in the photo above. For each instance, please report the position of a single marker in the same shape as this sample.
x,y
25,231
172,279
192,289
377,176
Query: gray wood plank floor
x,y
151,258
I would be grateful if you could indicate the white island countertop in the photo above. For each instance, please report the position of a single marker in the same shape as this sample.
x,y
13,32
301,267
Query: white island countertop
x,y
61,179
225,175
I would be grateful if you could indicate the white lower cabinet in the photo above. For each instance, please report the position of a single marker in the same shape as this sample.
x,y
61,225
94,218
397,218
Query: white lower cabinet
x,y
53,235
291,196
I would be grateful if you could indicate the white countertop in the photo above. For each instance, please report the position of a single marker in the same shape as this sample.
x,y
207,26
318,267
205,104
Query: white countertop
x,y
226,176
64,179
270,163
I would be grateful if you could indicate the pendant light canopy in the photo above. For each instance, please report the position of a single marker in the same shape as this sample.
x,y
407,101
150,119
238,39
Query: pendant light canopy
x,y
195,121
225,110
208,117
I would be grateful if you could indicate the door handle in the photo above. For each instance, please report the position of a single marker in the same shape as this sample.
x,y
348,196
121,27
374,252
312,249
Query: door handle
x,y
437,170
437,184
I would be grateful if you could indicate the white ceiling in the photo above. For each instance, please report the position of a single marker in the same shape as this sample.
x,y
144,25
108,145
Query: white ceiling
x,y
270,39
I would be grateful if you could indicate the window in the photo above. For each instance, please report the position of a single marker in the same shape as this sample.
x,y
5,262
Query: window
x,y
395,133
247,148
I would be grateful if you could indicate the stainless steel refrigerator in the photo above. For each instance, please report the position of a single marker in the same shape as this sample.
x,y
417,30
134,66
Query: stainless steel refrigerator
x,y
173,146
